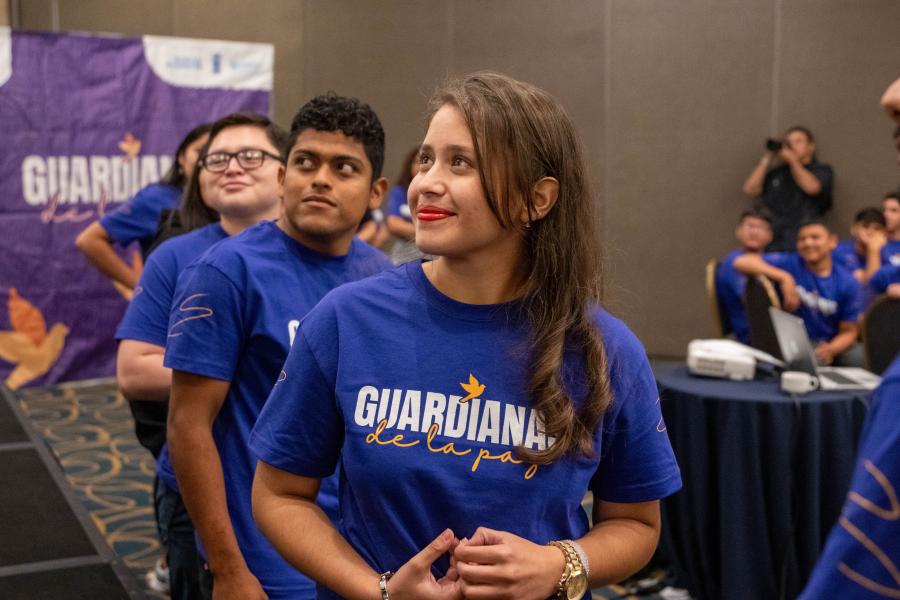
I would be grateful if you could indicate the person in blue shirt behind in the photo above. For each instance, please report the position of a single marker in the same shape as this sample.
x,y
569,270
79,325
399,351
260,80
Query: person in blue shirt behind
x,y
886,281
234,317
862,253
399,220
225,196
138,218
472,400
890,207
754,232
824,294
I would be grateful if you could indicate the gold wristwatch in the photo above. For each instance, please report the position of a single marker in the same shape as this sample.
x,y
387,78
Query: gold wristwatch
x,y
573,584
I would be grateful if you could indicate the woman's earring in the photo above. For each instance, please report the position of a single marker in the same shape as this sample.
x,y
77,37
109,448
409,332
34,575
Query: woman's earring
x,y
528,225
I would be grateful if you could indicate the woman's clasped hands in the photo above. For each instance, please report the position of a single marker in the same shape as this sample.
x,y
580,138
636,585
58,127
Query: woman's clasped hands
x,y
495,565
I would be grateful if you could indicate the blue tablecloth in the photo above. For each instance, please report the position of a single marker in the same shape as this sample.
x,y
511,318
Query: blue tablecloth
x,y
765,476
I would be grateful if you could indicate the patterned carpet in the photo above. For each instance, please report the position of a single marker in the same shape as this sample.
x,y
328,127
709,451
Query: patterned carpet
x,y
90,430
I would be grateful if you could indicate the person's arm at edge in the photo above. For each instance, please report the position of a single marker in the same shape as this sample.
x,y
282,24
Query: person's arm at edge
x,y
401,228
284,504
94,242
194,404
752,264
140,373
753,186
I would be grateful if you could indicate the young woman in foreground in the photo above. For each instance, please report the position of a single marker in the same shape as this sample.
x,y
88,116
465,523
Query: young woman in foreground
x,y
471,401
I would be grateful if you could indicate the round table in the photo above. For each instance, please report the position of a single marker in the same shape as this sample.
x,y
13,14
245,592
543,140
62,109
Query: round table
x,y
765,475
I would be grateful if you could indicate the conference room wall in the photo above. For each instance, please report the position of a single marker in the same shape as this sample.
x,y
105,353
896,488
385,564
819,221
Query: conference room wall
x,y
672,99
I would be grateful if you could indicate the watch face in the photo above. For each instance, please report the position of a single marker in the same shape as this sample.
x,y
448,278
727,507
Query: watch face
x,y
576,586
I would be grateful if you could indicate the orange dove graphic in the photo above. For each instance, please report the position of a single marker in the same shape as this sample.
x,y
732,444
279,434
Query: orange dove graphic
x,y
130,146
29,345
474,389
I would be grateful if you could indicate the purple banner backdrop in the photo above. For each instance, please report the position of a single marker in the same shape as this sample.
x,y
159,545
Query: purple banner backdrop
x,y
86,121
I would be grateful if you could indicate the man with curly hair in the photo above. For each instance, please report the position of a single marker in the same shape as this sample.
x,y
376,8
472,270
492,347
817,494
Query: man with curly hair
x,y
234,318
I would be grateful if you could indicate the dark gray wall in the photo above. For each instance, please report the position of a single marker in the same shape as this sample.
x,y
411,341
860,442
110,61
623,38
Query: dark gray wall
x,y
672,99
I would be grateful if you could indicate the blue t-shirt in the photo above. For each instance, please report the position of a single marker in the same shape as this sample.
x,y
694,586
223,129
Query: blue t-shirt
x,y
137,219
825,302
884,277
422,401
845,255
890,253
147,317
397,203
864,545
730,287
235,314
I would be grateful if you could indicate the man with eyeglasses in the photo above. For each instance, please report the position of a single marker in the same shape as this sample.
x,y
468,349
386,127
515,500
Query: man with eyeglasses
x,y
234,317
237,185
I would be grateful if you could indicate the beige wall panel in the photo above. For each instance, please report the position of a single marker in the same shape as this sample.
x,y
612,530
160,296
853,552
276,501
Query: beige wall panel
x,y
35,14
277,22
390,54
691,88
153,17
836,59
558,46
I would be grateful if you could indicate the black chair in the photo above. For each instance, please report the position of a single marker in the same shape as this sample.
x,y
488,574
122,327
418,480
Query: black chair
x,y
720,318
758,297
881,333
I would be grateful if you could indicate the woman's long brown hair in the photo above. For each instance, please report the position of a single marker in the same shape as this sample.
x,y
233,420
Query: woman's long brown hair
x,y
522,134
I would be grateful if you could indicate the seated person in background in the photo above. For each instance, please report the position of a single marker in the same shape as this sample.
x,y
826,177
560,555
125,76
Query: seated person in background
x,y
886,281
890,207
372,229
825,295
861,254
795,191
399,220
754,232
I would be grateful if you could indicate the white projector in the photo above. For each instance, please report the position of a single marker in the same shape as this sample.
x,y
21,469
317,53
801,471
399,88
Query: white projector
x,y
725,359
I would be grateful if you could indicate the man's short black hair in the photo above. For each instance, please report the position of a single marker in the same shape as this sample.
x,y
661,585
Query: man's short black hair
x,y
757,212
869,216
330,112
894,194
813,221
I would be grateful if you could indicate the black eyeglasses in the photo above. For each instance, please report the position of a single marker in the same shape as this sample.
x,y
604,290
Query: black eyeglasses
x,y
248,159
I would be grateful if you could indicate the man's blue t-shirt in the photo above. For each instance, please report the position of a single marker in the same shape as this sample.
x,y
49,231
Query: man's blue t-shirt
x,y
825,302
422,402
845,255
730,287
147,317
397,203
137,219
862,552
884,277
890,253
235,315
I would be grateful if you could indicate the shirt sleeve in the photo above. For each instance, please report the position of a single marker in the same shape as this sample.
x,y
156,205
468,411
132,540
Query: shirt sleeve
x,y
147,315
637,463
826,178
206,324
301,429
884,277
138,218
851,304
780,260
396,201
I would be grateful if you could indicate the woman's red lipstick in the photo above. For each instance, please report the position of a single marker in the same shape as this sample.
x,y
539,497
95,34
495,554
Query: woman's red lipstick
x,y
432,213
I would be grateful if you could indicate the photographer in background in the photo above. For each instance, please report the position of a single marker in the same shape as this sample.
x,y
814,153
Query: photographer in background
x,y
795,191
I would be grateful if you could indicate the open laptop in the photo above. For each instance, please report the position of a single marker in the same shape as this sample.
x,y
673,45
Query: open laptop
x,y
799,355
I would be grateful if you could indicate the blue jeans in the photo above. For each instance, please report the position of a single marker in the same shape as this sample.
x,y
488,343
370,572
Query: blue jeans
x,y
176,531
